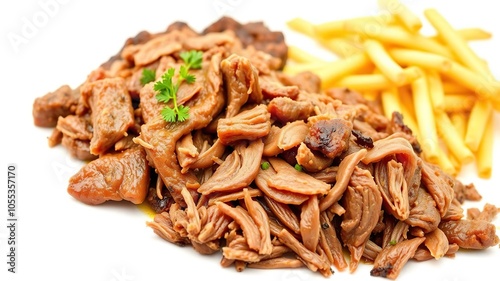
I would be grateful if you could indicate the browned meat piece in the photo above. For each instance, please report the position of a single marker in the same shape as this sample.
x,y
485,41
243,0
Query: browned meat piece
x,y
343,176
306,81
163,227
311,259
289,179
391,259
396,125
362,202
241,82
261,220
159,205
273,88
279,262
465,192
437,243
55,137
255,34
310,161
488,213
112,113
115,176
80,149
286,110
150,107
310,223
209,41
470,234
76,127
423,254
283,213
48,108
161,45
160,137
439,185
330,137
332,246
455,211
292,135
423,212
215,226
264,181
244,220
237,171
389,176
271,142
250,125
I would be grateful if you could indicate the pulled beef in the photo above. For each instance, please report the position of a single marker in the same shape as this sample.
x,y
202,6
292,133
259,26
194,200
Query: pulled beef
x,y
287,110
254,34
470,234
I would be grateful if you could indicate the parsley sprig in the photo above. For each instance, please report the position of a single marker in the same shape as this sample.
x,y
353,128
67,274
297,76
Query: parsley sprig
x,y
167,89
148,75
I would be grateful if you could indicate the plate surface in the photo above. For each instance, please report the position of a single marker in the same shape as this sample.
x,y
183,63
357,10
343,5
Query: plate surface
x,y
48,43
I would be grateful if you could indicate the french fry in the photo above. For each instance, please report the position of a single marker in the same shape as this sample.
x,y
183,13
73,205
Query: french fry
x,y
422,59
336,70
398,36
458,103
301,56
342,47
408,19
384,62
450,87
425,118
444,161
468,34
301,67
302,26
484,153
365,82
342,27
452,139
436,90
455,42
479,115
390,101
459,121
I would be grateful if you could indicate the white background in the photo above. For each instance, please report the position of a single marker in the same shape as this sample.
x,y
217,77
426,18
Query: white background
x,y
62,239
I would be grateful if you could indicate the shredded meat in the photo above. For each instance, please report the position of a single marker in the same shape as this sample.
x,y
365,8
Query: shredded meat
x,y
268,170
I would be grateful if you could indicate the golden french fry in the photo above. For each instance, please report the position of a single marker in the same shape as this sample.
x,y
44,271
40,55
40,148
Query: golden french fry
x,y
458,103
390,101
302,26
342,47
484,153
479,116
425,118
336,70
398,36
445,162
436,90
342,27
455,42
299,55
425,60
469,34
453,88
409,19
459,121
384,62
452,139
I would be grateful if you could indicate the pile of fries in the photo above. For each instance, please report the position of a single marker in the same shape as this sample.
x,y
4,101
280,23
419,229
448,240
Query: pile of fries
x,y
446,93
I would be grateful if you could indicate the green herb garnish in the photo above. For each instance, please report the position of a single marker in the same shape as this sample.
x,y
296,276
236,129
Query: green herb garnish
x,y
265,165
148,75
298,167
167,90
392,242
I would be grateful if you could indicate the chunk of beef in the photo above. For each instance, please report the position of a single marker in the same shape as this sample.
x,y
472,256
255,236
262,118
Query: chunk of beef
x,y
306,81
48,108
112,113
80,149
255,34
114,176
330,137
285,109
272,88
250,124
241,82
424,213
470,234
362,202
76,127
